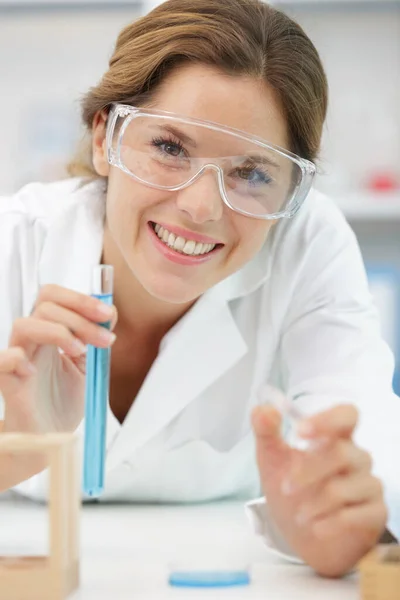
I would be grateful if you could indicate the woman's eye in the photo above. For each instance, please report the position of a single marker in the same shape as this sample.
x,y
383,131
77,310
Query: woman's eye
x,y
172,149
254,176
169,148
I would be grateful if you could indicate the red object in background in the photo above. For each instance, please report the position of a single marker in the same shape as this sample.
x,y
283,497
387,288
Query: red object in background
x,y
384,182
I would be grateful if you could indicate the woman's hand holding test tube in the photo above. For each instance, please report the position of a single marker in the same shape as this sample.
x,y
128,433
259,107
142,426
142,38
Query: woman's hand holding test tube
x,y
42,373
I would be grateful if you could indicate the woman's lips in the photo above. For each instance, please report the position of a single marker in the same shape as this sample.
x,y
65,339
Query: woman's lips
x,y
187,234
178,257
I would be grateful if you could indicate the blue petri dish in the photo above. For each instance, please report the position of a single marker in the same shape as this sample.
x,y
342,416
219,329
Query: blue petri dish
x,y
208,579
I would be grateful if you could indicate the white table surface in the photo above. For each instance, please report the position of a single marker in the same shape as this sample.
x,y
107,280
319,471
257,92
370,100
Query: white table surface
x,y
127,552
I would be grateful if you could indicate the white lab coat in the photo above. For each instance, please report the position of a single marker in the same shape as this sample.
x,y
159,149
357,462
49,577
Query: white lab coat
x,y
299,316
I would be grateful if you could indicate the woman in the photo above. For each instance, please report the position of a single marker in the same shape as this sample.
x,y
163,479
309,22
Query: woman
x,y
203,133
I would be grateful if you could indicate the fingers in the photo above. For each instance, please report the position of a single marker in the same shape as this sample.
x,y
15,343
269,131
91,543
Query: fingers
x,y
266,423
313,468
339,421
15,362
30,333
114,318
86,331
272,452
369,518
66,319
82,304
339,493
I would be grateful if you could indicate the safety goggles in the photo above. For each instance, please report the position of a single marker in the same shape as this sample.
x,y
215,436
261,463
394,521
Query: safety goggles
x,y
166,151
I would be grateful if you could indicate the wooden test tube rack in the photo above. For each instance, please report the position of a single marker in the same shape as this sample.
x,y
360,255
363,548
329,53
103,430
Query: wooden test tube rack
x,y
55,576
380,573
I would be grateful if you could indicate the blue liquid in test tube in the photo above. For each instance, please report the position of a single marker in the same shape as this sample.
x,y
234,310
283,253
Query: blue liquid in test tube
x,y
96,394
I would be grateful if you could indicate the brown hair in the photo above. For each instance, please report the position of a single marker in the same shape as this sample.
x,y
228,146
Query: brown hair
x,y
239,37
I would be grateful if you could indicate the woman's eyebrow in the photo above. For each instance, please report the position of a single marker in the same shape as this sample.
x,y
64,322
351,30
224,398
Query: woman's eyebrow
x,y
183,137
264,160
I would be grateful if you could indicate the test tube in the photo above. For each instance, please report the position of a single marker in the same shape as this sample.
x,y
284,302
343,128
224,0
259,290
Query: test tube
x,y
292,415
271,395
96,393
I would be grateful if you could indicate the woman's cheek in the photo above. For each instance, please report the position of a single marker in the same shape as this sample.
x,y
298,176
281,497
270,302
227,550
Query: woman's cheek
x,y
253,237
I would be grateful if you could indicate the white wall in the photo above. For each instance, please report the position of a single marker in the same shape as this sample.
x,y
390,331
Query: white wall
x,y
48,58
47,61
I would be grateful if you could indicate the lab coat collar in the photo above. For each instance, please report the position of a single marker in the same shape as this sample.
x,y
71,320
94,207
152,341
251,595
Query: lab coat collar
x,y
209,341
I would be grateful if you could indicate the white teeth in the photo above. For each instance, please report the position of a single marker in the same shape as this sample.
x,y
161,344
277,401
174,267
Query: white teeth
x,y
180,244
189,247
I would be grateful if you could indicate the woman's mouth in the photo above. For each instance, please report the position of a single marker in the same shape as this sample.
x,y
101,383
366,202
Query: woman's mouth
x,y
184,250
181,244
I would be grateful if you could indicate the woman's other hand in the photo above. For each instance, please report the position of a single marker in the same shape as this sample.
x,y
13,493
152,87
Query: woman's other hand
x,y
325,501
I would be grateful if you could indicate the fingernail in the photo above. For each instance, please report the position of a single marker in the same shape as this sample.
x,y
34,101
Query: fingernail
x,y
305,428
107,337
105,310
79,347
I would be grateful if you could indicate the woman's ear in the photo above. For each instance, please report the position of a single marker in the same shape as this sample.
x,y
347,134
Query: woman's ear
x,y
99,147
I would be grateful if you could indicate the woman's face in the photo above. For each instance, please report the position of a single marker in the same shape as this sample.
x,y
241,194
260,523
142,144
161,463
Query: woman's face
x,y
197,212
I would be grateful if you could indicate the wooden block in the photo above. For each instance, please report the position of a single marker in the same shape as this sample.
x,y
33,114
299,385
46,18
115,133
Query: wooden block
x,y
380,573
55,576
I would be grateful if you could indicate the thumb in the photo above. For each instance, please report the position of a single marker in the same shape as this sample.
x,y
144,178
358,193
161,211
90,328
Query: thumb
x,y
271,448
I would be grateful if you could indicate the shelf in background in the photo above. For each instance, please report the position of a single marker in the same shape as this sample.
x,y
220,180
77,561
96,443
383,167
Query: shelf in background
x,y
367,206
370,5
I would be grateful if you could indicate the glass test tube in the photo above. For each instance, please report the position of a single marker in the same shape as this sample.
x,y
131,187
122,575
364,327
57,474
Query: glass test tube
x,y
96,393
268,394
292,415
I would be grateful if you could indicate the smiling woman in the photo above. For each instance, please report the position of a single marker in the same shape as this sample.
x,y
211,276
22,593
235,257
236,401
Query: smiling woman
x,y
230,272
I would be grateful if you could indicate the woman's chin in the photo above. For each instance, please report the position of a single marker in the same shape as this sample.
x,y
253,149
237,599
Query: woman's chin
x,y
171,293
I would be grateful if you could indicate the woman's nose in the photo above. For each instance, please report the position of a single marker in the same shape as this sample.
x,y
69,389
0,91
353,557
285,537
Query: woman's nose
x,y
202,199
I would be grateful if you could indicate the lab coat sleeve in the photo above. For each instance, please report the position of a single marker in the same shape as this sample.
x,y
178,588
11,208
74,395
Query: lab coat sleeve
x,y
332,351
263,525
20,241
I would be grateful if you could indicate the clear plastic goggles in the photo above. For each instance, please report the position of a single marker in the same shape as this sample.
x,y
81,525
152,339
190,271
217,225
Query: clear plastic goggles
x,y
168,152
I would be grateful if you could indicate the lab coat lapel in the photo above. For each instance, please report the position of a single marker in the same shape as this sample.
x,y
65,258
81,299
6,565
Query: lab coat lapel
x,y
208,344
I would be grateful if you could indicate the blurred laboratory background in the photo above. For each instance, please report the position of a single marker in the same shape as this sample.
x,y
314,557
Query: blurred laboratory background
x,y
52,51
